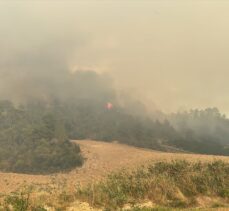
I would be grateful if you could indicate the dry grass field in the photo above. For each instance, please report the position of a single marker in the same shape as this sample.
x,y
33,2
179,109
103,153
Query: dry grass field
x,y
101,158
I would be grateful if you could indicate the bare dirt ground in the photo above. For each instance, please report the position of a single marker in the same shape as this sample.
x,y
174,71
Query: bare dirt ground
x,y
101,158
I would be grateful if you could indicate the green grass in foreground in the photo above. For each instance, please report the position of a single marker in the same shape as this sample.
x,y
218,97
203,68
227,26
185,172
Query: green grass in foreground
x,y
162,186
175,184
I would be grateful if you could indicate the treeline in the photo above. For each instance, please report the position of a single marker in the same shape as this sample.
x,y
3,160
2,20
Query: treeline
x,y
205,133
35,132
202,131
35,137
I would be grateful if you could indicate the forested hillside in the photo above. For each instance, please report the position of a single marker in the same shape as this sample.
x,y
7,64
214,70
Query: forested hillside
x,y
35,134
202,131
34,140
100,124
35,137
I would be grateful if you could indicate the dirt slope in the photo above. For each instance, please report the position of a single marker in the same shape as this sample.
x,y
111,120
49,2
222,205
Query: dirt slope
x,y
101,158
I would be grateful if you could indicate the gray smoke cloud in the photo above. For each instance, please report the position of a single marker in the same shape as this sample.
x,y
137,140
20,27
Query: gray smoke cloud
x,y
170,55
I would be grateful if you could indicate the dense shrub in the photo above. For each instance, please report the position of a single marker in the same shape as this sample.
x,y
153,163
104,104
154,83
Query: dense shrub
x,y
34,140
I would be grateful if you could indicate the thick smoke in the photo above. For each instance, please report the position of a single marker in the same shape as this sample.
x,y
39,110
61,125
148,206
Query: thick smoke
x,y
39,71
46,83
146,47
42,74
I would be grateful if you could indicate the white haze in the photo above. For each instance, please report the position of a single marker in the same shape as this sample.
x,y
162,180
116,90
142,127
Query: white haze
x,y
171,54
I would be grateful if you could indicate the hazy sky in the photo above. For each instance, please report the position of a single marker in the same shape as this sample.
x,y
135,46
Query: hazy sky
x,y
172,53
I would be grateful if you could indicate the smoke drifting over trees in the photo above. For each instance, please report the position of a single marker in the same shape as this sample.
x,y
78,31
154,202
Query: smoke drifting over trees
x,y
52,105
60,85
56,80
169,52
41,77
